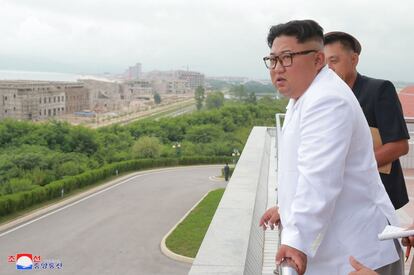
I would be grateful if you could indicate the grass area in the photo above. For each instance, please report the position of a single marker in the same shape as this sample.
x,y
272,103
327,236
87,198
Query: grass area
x,y
187,237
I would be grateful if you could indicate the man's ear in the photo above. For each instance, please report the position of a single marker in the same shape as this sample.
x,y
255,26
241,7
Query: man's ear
x,y
320,59
355,59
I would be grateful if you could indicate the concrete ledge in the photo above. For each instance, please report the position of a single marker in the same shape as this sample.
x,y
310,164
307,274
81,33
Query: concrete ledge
x,y
234,242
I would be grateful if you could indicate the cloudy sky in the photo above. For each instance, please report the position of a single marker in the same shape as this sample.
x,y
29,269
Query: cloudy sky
x,y
216,37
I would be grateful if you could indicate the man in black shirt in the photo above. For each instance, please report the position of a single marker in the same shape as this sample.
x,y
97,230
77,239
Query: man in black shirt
x,y
381,107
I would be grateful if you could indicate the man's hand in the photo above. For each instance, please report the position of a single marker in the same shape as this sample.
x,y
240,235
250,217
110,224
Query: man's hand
x,y
360,269
270,218
297,257
408,241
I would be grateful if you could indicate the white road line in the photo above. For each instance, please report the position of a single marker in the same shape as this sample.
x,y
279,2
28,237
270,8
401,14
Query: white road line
x,y
69,205
88,197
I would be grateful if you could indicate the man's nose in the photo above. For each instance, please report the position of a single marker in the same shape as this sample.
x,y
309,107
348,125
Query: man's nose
x,y
279,67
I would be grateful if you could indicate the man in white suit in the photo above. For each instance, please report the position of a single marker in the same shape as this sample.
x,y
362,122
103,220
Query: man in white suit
x,y
331,202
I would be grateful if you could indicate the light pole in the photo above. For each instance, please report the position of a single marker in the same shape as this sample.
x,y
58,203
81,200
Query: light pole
x,y
235,155
177,147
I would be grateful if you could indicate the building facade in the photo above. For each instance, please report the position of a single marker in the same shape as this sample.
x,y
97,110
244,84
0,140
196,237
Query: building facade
x,y
38,100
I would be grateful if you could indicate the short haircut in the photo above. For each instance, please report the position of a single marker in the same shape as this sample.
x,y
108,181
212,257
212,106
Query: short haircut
x,y
347,41
303,30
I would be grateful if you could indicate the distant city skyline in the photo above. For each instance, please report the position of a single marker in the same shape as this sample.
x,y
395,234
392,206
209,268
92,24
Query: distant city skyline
x,y
217,38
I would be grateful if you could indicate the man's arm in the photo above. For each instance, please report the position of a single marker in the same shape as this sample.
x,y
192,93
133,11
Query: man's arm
x,y
391,151
391,125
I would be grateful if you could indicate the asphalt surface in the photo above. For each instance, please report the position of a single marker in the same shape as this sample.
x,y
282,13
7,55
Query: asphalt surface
x,y
117,231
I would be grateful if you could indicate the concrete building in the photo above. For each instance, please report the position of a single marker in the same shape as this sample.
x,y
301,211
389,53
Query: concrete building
x,y
135,89
134,72
170,86
174,80
104,95
194,79
37,100
76,96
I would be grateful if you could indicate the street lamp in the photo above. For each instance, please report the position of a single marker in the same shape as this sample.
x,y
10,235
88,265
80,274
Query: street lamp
x,y
177,147
235,155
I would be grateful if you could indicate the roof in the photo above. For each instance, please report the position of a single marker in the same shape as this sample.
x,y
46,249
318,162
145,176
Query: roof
x,y
406,96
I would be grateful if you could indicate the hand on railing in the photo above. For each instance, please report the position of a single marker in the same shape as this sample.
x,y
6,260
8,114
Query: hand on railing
x,y
293,257
270,218
286,268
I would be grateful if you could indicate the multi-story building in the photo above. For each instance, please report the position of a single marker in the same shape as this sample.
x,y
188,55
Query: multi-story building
x,y
77,96
135,89
134,72
37,100
194,79
104,95
173,81
170,86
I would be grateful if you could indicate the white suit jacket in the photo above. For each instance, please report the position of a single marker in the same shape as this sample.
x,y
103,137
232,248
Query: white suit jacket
x,y
331,200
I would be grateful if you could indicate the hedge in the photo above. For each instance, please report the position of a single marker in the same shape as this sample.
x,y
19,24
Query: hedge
x,y
22,200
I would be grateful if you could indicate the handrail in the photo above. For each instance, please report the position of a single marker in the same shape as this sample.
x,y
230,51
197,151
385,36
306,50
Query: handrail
x,y
284,268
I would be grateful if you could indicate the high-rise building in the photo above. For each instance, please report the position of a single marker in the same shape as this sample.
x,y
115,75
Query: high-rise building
x,y
134,72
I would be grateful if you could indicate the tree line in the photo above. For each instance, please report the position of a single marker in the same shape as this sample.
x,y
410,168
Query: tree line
x,y
37,154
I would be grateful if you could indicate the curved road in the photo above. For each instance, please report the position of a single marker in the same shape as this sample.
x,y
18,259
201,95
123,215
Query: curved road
x,y
117,231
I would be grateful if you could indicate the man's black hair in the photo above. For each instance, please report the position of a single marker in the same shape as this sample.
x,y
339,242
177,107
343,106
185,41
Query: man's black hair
x,y
348,41
303,30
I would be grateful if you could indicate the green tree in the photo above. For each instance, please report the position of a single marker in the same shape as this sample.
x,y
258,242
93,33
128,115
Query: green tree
x,y
84,140
214,100
251,98
204,133
199,97
157,98
146,147
238,91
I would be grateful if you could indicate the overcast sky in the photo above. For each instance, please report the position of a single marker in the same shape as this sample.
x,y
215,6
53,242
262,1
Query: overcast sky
x,y
216,37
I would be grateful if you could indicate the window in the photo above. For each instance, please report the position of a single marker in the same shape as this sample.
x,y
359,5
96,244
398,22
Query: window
x,y
49,112
40,100
44,100
54,99
14,96
40,112
44,112
58,98
49,100
5,98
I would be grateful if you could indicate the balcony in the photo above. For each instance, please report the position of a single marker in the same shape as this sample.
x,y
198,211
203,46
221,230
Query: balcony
x,y
234,243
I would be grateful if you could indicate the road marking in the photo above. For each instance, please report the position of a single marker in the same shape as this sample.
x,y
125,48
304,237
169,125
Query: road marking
x,y
91,196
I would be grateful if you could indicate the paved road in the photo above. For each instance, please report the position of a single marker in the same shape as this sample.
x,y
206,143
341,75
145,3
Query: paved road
x,y
117,231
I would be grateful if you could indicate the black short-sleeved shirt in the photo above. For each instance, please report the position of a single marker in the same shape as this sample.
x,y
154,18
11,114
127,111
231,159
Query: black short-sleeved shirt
x,y
382,109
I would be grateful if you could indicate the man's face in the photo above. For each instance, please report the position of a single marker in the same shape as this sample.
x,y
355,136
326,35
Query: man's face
x,y
341,60
292,81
